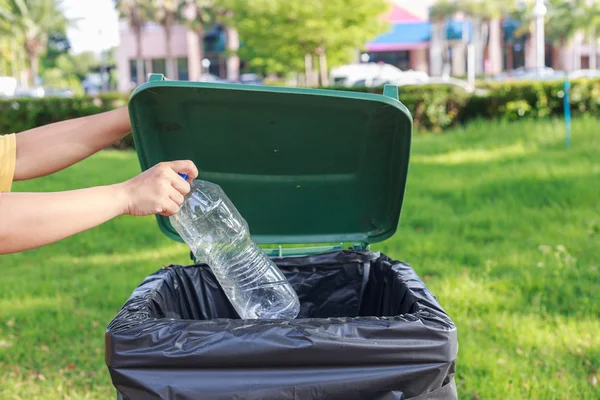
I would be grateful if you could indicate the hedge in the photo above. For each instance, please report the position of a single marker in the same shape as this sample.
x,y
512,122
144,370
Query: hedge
x,y
22,114
434,108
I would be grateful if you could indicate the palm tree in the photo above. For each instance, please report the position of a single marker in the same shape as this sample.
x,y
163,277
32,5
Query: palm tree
x,y
232,45
32,20
487,16
167,14
6,48
201,15
493,16
439,14
197,16
586,14
564,19
470,9
136,13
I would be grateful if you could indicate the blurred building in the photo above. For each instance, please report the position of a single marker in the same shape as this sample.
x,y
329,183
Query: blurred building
x,y
406,45
188,64
413,42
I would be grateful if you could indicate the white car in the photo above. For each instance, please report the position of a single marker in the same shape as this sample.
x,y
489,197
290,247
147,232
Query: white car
x,y
443,81
374,74
37,92
584,73
210,78
8,86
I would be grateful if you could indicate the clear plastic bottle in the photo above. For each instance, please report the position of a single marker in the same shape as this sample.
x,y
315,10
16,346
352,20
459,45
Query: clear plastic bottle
x,y
217,234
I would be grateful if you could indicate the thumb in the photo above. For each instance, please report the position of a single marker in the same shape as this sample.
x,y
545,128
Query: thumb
x,y
184,167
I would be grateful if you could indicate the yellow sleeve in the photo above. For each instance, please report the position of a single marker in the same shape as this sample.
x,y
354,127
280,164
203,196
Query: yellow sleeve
x,y
8,159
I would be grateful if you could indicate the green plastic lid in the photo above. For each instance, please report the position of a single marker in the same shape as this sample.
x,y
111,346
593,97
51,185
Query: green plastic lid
x,y
303,166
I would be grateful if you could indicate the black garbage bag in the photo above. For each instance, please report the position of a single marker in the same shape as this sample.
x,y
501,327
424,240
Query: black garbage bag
x,y
368,329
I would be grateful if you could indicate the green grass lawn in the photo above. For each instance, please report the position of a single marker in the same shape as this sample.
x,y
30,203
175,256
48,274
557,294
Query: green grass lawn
x,y
500,220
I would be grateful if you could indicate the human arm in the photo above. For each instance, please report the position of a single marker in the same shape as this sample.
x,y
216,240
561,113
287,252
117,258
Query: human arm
x,y
44,150
30,220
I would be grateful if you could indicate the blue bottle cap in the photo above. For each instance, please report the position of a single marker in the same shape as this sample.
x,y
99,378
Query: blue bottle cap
x,y
184,176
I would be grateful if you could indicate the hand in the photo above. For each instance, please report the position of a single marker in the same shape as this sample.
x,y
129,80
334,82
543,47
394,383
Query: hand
x,y
158,190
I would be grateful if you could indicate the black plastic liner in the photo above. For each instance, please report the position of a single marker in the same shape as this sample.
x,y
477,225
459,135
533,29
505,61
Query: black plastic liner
x,y
368,329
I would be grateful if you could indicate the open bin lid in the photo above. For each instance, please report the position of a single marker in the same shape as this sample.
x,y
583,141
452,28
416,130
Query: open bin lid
x,y
301,165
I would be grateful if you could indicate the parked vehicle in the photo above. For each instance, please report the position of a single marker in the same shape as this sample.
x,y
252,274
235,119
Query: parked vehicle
x,y
211,78
545,74
524,73
374,74
584,73
464,85
37,92
251,79
58,92
8,86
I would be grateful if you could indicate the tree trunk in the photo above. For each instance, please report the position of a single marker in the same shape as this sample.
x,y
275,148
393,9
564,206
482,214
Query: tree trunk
x,y
5,61
21,68
458,59
13,60
485,36
530,57
557,55
139,62
495,46
308,61
233,60
510,57
34,68
577,44
478,45
485,33
222,66
436,48
323,68
565,58
201,34
593,47
446,61
169,66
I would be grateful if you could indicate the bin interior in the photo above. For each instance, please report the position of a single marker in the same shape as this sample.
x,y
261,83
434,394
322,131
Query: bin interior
x,y
356,288
384,337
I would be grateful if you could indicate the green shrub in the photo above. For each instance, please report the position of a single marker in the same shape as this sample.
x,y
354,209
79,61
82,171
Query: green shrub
x,y
22,114
438,107
433,107
543,98
517,109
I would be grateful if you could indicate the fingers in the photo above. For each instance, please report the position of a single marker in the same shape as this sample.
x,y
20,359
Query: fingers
x,y
169,208
180,185
176,197
184,167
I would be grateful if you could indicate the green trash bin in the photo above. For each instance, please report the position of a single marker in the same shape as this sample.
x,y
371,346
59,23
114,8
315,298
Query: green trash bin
x,y
319,175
